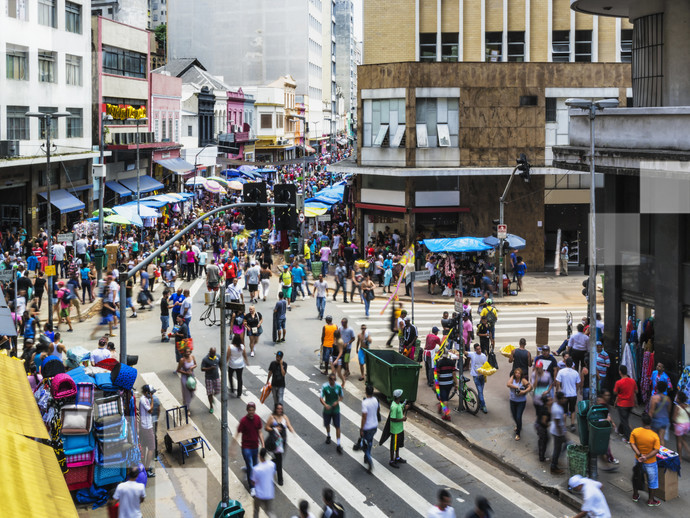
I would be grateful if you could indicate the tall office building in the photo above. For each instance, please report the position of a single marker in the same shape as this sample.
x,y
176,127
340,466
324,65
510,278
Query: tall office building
x,y
491,30
345,45
255,43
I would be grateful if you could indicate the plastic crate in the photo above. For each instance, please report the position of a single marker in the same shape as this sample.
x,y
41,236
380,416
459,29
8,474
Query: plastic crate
x,y
578,460
106,475
80,471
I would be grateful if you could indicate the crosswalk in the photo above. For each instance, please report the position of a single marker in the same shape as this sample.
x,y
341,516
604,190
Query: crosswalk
x,y
514,322
310,465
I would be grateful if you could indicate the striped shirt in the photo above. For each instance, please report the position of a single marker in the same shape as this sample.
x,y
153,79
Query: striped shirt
x,y
445,368
603,363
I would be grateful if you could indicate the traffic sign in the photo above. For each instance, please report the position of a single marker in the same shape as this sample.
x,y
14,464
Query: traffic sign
x,y
422,275
6,275
50,270
65,238
323,217
458,301
502,231
301,217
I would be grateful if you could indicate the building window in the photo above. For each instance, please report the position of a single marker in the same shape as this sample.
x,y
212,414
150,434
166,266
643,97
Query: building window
x,y
449,46
279,120
583,46
427,46
384,122
17,9
648,59
177,130
17,63
42,124
156,129
626,45
17,123
47,14
164,127
516,46
266,121
551,103
73,69
190,131
124,62
170,128
72,17
494,46
75,123
560,46
46,66
438,119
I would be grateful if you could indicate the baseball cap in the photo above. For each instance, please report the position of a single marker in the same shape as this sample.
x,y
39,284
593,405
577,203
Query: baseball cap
x,y
408,319
148,389
575,481
286,266
397,393
434,329
489,301
279,353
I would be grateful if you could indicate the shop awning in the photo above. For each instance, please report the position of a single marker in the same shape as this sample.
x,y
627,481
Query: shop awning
x,y
456,244
176,165
311,211
18,409
146,184
63,201
118,188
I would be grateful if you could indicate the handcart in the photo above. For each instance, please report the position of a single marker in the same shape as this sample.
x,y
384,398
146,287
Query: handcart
x,y
180,432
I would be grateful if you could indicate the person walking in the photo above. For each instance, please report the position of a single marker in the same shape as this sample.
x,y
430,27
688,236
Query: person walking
x,y
210,365
263,484
646,443
277,426
564,259
557,431
320,294
277,371
603,364
541,424
491,314
280,316
356,280
303,504
542,383
519,387
371,415
484,334
237,361
331,396
327,342
409,339
477,359
625,391
521,359
253,276
285,279
577,346
660,407
265,276
444,507
569,382
340,281
347,335
250,429
185,368
432,340
331,509
130,494
594,502
147,438
397,417
253,322
213,276
165,315
447,380
363,342
337,356
368,293
681,421
397,323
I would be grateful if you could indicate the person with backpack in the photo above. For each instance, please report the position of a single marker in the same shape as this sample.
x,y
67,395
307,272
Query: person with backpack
x,y
64,296
491,314
331,509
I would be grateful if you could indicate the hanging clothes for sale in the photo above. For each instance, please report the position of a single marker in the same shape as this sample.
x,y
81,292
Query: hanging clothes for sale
x,y
628,360
646,376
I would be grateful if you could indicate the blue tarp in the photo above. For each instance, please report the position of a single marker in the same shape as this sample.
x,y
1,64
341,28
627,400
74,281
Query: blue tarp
x,y
456,244
231,173
63,201
317,204
329,195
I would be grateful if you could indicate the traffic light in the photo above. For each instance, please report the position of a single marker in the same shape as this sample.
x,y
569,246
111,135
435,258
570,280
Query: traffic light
x,y
523,166
585,286
255,218
286,217
494,227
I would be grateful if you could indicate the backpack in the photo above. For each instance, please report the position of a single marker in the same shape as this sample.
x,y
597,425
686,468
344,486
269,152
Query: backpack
x,y
491,315
337,510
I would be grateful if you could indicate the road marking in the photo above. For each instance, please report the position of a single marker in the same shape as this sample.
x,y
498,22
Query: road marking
x,y
195,287
414,499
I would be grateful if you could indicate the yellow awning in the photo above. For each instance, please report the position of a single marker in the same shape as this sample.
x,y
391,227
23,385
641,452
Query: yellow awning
x,y
312,212
19,412
33,482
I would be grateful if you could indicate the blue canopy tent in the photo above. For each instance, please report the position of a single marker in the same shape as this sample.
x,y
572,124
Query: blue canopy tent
x,y
231,173
456,244
245,168
330,195
512,241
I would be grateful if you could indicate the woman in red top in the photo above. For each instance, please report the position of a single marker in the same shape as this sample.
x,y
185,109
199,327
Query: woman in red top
x,y
625,391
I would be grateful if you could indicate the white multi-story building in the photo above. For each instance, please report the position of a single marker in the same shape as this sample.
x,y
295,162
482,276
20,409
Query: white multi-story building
x,y
47,68
130,12
257,41
345,64
158,12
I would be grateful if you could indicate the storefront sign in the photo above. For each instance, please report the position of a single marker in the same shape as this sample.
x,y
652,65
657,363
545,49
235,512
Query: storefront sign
x,y
458,301
65,238
6,275
324,217
122,112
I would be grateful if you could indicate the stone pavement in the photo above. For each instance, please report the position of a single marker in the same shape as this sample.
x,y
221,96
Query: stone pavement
x,y
493,438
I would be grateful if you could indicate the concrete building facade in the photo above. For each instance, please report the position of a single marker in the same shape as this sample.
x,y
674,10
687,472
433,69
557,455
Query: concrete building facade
x,y
134,13
47,68
345,52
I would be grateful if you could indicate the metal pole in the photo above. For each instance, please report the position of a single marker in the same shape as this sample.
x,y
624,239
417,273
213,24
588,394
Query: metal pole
x,y
501,206
138,188
304,197
412,295
225,432
48,119
101,196
592,284
123,316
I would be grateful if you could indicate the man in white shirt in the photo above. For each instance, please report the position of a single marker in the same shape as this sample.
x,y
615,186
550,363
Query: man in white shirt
x,y
370,423
578,345
130,495
101,353
186,310
264,487
568,381
477,359
444,508
253,274
80,248
146,434
594,502
59,253
234,292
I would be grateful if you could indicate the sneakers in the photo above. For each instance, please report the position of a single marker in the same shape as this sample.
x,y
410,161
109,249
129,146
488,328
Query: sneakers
x,y
328,439
393,464
400,460
557,471
636,498
485,410
210,410
446,418
252,492
339,449
251,354
150,473
653,503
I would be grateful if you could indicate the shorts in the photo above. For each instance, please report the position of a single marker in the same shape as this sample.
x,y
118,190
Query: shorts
x,y
212,386
327,418
287,292
346,357
570,405
398,440
253,287
681,429
64,312
660,423
147,439
281,323
362,356
165,322
212,286
652,470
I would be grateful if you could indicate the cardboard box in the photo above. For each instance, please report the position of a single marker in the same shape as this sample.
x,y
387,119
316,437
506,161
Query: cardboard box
x,y
668,485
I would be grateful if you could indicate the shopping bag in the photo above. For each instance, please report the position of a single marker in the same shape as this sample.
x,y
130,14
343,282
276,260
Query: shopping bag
x,y
486,369
265,391
506,350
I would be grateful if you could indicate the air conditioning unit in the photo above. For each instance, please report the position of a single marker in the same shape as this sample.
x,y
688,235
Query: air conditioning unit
x,y
9,148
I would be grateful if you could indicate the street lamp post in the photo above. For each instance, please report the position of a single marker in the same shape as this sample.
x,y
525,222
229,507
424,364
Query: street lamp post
x,y
47,119
592,107
138,121
101,189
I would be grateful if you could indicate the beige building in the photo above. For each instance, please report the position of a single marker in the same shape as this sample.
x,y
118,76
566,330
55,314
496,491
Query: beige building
x,y
491,30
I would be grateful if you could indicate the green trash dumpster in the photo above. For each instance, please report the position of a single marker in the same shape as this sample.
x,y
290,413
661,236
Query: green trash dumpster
x,y
389,370
582,409
233,510
100,258
599,429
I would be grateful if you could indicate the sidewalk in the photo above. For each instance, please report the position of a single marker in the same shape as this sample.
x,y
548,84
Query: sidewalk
x,y
492,436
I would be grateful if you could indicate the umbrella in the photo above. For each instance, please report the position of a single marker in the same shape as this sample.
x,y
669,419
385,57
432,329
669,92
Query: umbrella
x,y
145,211
222,181
511,241
214,187
456,244
235,185
196,181
106,210
118,219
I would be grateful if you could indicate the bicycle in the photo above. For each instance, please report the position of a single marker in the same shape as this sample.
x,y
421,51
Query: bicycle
x,y
468,396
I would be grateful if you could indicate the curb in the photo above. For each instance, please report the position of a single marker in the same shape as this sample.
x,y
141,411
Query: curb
x,y
559,492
